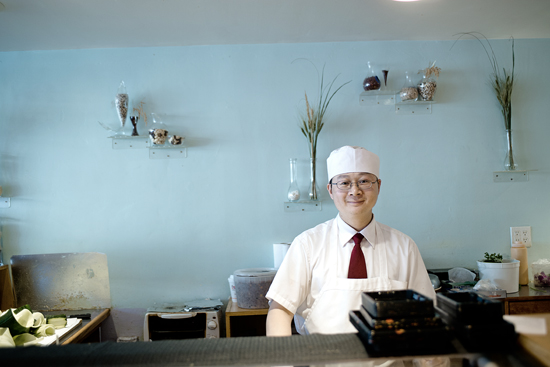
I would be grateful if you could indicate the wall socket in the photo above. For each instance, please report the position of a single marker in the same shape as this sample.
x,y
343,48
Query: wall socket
x,y
522,234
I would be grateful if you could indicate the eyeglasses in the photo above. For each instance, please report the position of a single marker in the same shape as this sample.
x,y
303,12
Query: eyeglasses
x,y
361,184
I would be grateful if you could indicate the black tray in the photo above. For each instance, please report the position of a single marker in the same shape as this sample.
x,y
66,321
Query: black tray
x,y
397,304
470,308
400,323
413,341
481,337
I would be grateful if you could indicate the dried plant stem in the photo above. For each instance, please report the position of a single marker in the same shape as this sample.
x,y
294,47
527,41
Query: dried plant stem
x,y
502,83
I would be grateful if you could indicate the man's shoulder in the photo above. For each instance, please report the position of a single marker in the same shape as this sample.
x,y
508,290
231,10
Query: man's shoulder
x,y
319,230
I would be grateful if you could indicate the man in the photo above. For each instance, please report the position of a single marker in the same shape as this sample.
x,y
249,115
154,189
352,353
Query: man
x,y
328,267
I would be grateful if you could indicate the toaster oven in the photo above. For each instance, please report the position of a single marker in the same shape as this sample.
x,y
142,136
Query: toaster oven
x,y
182,325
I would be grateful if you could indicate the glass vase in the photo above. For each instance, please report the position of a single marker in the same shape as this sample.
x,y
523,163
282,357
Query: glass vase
x,y
293,193
385,73
158,132
121,104
509,163
408,91
426,88
134,120
313,190
371,82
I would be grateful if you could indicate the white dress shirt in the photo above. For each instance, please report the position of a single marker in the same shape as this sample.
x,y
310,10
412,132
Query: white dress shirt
x,y
304,270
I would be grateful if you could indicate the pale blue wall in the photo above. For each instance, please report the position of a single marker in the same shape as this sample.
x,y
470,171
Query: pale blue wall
x,y
175,229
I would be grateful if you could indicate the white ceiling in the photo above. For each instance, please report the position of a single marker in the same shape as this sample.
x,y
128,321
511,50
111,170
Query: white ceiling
x,y
76,24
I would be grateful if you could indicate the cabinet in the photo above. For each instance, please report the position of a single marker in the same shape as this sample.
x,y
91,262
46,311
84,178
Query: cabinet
x,y
527,301
244,321
7,297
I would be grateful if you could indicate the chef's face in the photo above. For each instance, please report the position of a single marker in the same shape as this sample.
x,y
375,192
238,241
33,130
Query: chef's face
x,y
355,205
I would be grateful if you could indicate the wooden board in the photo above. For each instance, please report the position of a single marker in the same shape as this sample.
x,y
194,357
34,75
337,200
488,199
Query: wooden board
x,y
60,333
7,296
538,345
65,281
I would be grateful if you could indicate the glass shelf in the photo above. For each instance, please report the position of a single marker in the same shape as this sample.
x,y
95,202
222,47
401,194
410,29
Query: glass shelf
x,y
377,97
5,202
167,152
129,142
512,176
303,206
413,107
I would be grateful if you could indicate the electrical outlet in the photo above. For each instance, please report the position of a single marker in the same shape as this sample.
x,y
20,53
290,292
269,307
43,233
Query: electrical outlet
x,y
521,234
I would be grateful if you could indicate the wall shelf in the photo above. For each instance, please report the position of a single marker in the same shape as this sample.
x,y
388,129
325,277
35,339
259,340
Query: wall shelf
x,y
512,176
377,97
129,142
303,206
391,97
143,142
167,152
413,107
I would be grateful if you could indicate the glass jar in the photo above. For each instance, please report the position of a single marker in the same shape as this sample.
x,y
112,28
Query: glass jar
x,y
158,131
371,82
293,193
121,104
385,73
426,88
408,91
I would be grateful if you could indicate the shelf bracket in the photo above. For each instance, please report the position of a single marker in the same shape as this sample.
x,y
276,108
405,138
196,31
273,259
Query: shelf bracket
x,y
417,108
510,176
303,206
167,153
130,142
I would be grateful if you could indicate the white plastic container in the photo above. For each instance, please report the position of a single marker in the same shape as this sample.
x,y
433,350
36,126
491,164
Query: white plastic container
x,y
504,275
541,273
251,286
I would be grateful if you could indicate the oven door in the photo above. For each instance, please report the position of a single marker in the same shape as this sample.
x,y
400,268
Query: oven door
x,y
179,325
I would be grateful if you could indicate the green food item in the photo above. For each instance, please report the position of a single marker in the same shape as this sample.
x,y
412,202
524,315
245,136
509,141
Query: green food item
x,y
57,321
38,320
26,339
17,323
19,309
45,330
5,338
492,258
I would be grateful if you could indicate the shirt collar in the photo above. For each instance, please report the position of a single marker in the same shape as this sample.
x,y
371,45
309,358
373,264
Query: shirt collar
x,y
346,232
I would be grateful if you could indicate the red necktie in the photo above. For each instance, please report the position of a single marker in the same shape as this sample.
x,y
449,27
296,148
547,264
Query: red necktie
x,y
357,266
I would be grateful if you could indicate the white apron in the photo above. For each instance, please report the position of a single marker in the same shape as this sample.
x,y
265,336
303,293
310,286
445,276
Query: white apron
x,y
329,313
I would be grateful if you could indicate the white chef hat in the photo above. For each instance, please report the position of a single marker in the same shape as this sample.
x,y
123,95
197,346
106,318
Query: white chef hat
x,y
349,159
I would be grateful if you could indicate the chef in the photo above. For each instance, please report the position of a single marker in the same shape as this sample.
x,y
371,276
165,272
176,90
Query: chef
x,y
328,267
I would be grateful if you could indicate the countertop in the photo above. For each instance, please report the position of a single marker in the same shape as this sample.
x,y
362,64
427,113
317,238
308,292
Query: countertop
x,y
86,327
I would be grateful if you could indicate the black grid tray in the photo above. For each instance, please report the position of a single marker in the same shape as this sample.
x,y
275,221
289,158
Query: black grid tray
x,y
397,304
400,323
470,308
412,341
481,337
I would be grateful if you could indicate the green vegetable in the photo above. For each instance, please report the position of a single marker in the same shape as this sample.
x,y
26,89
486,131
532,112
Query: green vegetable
x,y
38,320
58,321
17,323
5,338
19,309
493,258
45,330
26,339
